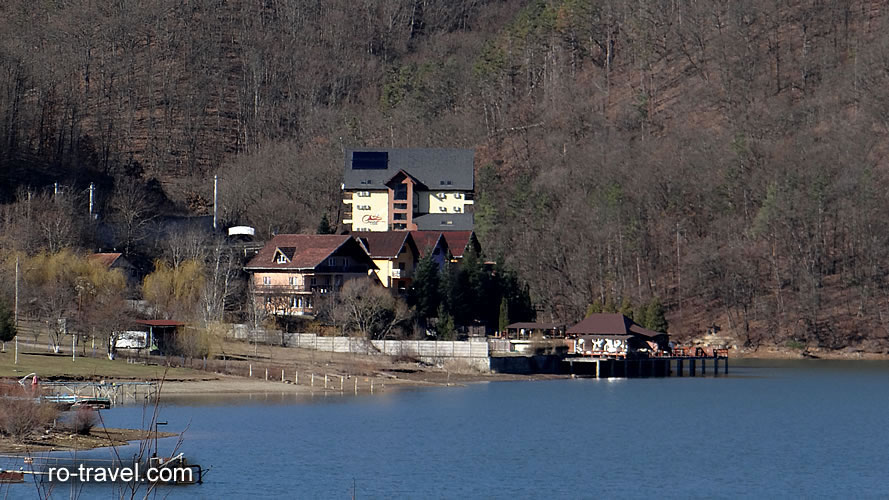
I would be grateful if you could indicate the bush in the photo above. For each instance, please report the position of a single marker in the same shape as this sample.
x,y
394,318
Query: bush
x,y
82,421
21,416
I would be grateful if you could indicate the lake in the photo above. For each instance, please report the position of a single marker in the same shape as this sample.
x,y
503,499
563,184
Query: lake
x,y
769,429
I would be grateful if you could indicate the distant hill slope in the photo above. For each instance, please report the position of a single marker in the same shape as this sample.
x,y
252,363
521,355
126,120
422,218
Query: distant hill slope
x,y
725,156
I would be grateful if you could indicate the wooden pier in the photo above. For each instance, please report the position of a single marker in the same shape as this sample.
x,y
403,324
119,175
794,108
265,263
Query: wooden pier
x,y
666,366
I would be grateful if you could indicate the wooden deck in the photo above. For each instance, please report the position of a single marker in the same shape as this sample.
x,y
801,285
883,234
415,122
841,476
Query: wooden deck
x,y
603,367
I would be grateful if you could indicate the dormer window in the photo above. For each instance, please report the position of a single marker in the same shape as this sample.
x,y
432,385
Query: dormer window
x,y
282,259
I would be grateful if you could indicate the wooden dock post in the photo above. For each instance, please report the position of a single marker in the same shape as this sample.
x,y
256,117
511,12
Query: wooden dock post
x,y
325,381
679,367
313,380
598,368
691,367
342,379
716,366
703,366
356,385
251,369
266,373
296,376
726,365
371,386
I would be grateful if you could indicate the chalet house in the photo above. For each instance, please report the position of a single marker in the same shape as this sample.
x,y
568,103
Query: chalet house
x,y
459,242
291,270
116,260
615,336
431,242
408,189
395,254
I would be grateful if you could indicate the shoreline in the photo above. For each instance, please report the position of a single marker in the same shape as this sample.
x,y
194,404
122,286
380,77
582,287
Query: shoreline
x,y
63,440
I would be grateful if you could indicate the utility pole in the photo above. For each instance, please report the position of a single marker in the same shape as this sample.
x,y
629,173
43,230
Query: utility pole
x,y
92,197
678,272
215,184
15,312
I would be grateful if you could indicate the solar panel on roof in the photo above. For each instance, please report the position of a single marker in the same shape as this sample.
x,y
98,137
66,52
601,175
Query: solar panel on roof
x,y
370,160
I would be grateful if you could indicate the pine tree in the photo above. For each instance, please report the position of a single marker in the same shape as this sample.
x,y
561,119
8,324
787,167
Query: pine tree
x,y
425,290
657,321
626,308
504,314
445,328
7,324
594,308
324,226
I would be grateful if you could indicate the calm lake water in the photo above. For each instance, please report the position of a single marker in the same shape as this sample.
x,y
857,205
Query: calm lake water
x,y
769,429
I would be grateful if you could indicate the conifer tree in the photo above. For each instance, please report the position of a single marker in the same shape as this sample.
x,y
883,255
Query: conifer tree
x,y
504,314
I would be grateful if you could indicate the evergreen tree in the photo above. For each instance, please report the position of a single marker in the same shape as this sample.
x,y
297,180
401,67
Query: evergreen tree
x,y
609,306
594,308
626,308
657,321
640,316
504,314
7,323
425,290
445,329
324,226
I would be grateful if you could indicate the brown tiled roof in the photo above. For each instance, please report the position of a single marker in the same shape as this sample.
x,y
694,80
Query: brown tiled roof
x,y
383,245
457,241
426,240
610,324
535,326
106,259
309,250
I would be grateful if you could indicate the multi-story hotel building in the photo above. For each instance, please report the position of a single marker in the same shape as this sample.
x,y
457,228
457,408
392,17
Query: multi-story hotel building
x,y
408,189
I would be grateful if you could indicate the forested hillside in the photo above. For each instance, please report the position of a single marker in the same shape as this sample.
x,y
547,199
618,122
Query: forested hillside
x,y
728,158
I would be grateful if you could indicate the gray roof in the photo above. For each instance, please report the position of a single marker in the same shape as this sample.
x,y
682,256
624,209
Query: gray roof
x,y
439,169
445,222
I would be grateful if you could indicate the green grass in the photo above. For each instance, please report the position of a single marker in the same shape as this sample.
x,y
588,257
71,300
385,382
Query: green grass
x,y
795,344
50,365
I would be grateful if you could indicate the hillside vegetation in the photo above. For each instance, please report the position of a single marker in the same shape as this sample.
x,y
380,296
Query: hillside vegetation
x,y
725,157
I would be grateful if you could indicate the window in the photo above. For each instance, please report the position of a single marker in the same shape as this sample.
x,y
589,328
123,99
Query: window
x,y
401,192
364,194
449,183
457,209
457,196
332,262
268,301
282,259
399,216
338,280
314,281
443,209
401,266
363,207
399,206
292,280
442,195
295,302
399,227
266,280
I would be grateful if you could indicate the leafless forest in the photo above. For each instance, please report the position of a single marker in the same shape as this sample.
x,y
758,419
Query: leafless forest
x,y
728,157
